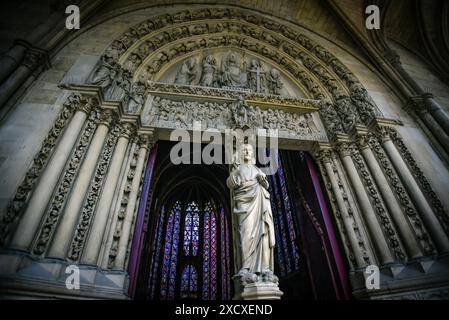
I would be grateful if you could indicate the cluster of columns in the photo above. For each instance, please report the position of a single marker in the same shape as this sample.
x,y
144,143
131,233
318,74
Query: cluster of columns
x,y
363,209
22,63
29,226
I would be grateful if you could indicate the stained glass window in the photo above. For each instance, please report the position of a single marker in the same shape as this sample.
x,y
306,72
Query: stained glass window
x,y
156,249
204,252
225,259
191,229
170,253
210,253
287,252
189,282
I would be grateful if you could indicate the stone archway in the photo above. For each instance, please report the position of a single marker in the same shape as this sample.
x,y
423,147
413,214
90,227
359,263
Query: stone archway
x,y
78,201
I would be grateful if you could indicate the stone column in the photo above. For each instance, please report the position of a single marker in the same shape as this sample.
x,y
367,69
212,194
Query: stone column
x,y
352,237
410,242
111,224
130,208
374,228
419,107
96,233
17,78
436,111
431,221
64,232
29,223
11,59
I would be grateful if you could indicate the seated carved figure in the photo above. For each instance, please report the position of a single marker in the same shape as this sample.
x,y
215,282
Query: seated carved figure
x,y
232,74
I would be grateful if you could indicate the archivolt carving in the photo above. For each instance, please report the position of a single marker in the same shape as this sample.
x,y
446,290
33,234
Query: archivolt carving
x,y
93,194
74,101
155,42
438,207
56,205
378,205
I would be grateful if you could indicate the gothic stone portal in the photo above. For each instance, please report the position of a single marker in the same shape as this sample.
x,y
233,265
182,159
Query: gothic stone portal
x,y
189,251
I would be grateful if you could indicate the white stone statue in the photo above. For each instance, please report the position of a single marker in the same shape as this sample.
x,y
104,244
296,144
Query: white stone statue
x,y
252,207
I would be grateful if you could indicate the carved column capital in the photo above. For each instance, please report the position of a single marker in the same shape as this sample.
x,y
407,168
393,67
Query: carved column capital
x,y
416,105
33,58
146,141
362,141
127,130
106,117
344,149
392,57
324,155
383,133
87,104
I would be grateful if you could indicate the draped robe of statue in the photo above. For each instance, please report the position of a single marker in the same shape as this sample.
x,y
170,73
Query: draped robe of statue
x,y
252,207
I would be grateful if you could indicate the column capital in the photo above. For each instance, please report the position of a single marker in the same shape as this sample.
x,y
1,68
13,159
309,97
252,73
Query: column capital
x,y
344,149
392,56
87,103
362,141
383,133
106,117
127,130
324,155
35,57
416,105
146,141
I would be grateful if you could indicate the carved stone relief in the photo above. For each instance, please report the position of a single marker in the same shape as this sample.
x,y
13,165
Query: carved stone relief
x,y
167,113
92,196
317,69
74,101
56,205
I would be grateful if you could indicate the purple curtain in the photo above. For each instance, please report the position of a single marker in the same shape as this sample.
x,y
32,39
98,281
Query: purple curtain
x,y
141,223
341,269
326,268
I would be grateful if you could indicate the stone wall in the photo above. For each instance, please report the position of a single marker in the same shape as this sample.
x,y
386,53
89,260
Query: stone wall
x,y
76,60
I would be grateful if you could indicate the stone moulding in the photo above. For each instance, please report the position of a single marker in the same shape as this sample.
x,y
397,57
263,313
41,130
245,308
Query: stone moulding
x,y
170,37
299,105
24,190
92,196
56,206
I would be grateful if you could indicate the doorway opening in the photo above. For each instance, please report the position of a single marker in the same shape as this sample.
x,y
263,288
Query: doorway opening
x,y
187,250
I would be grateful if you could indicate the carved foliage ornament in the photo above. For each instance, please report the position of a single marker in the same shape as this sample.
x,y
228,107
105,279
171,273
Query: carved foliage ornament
x,y
56,205
93,194
434,200
411,213
74,102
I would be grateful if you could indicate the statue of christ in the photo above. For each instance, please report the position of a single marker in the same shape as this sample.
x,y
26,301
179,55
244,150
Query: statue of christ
x,y
251,205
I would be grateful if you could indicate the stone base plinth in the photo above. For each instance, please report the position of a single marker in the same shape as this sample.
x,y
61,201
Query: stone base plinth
x,y
261,291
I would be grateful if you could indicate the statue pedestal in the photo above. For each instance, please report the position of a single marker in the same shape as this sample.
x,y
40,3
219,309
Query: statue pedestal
x,y
261,290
